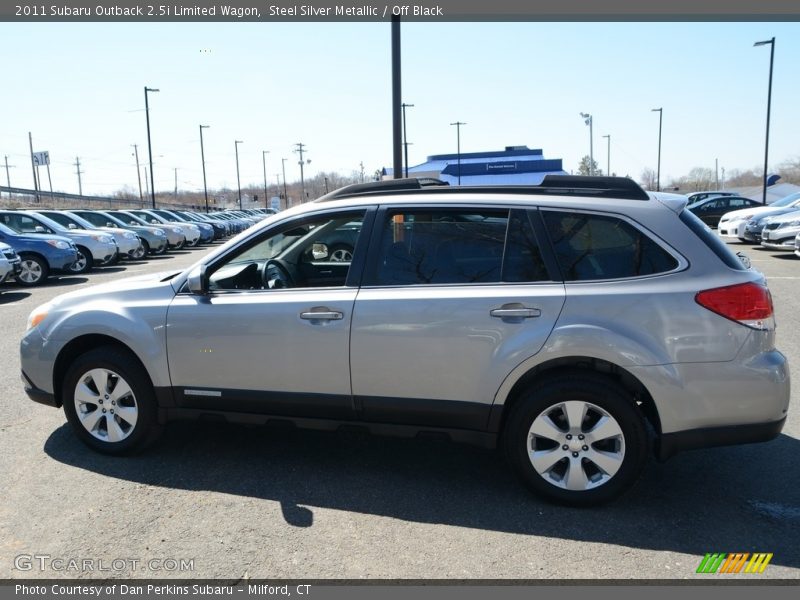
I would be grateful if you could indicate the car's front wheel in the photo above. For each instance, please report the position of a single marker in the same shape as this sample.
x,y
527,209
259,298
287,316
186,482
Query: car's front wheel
x,y
109,401
84,262
577,439
34,270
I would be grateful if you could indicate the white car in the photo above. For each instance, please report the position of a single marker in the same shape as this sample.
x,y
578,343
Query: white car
x,y
732,224
780,232
797,245
10,263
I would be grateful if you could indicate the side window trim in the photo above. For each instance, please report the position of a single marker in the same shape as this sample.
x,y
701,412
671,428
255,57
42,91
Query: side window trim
x,y
545,245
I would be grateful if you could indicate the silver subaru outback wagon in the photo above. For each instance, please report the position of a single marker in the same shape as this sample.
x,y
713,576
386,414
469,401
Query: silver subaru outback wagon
x,y
580,324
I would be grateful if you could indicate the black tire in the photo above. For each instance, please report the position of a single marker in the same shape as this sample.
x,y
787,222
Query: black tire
x,y
592,395
141,401
140,252
163,250
180,245
84,263
146,247
35,270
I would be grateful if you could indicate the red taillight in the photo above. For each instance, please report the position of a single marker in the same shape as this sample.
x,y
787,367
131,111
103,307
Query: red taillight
x,y
747,303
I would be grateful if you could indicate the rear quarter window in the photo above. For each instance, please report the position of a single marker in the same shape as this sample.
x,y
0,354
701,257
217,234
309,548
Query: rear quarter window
x,y
710,239
595,247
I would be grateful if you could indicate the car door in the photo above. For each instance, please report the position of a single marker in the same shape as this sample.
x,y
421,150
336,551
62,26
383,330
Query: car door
x,y
452,300
271,336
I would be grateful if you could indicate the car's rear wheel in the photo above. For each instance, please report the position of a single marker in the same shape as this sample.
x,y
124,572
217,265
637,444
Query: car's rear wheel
x,y
109,401
34,270
577,439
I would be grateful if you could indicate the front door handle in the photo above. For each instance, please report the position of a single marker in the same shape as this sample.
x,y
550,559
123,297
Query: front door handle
x,y
321,313
515,311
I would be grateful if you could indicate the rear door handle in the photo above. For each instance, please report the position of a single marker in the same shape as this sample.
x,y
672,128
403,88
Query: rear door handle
x,y
515,311
322,314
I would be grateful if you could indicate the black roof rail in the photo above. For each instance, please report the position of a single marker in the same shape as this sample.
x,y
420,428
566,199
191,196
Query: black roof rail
x,y
618,188
384,186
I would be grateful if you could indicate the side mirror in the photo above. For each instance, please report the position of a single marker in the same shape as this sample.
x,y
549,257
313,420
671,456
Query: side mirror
x,y
39,229
71,226
319,251
109,224
154,221
198,281
133,223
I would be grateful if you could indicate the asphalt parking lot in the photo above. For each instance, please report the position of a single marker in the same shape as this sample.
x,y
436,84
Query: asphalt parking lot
x,y
233,502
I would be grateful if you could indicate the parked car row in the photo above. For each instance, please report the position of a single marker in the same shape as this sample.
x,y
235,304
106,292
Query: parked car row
x,y
775,226
43,241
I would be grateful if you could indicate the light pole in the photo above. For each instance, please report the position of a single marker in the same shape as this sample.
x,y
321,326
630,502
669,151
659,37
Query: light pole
x,y
203,159
660,112
264,161
458,125
285,192
238,181
608,155
149,145
587,119
771,43
405,138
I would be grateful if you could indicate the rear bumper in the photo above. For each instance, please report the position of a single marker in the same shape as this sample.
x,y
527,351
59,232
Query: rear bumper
x,y
669,444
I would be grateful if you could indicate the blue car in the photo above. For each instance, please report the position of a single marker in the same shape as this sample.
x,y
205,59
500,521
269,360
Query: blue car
x,y
40,254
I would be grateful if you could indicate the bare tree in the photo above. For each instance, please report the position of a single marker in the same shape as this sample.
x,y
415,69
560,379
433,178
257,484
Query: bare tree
x,y
648,179
583,167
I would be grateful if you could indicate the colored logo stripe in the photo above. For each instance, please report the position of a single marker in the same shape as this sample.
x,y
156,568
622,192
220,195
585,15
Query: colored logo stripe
x,y
734,562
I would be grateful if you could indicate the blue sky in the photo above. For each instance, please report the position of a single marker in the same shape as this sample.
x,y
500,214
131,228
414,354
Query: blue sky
x,y
78,87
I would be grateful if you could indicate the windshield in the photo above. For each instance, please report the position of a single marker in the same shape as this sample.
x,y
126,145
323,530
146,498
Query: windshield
x,y
131,219
787,201
7,230
50,223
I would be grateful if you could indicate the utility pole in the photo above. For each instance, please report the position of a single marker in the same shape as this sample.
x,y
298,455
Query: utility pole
x,y
300,146
361,164
238,180
138,171
176,183
33,167
285,191
146,185
397,151
78,171
8,177
266,194
716,173
608,155
203,160
660,112
405,138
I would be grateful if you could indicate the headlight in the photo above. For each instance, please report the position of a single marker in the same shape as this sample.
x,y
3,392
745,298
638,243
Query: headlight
x,y
792,224
178,230
58,244
38,315
130,236
103,239
159,232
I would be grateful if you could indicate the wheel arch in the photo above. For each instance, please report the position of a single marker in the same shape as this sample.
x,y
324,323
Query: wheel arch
x,y
572,364
80,345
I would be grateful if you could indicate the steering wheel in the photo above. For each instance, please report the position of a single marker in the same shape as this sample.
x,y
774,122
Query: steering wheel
x,y
277,275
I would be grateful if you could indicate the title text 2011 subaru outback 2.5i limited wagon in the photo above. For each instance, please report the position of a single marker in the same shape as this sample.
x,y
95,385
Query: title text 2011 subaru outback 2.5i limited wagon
x,y
571,322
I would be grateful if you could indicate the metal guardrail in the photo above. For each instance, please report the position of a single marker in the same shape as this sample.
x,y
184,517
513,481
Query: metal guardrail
x,y
65,200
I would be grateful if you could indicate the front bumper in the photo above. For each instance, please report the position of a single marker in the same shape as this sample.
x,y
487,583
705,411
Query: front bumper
x,y
37,395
